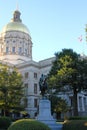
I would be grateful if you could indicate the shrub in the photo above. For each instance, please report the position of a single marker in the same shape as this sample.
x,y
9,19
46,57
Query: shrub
x,y
5,122
28,124
77,118
75,124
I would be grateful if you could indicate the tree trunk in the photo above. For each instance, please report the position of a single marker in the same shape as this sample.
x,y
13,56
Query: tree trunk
x,y
75,103
4,112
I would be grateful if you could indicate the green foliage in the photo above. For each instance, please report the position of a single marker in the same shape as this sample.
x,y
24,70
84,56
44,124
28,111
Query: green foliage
x,y
11,89
69,72
75,124
66,65
77,118
58,104
28,124
5,122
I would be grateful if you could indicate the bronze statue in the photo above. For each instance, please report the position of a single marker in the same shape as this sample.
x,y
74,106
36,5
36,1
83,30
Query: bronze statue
x,y
43,84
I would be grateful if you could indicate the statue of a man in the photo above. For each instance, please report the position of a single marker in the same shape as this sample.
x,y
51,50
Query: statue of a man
x,y
43,84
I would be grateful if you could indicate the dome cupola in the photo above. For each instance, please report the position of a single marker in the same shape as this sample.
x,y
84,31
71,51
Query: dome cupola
x,y
15,38
16,16
15,24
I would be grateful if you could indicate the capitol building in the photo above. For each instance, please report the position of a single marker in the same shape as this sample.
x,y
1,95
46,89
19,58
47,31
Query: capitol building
x,y
16,50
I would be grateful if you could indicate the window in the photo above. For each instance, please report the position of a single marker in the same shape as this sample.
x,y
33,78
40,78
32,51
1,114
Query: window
x,y
35,88
26,89
80,103
35,103
26,75
13,49
25,102
84,101
35,75
7,41
7,49
25,51
13,41
20,50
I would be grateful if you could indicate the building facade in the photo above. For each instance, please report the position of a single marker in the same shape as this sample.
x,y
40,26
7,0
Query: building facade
x,y
16,50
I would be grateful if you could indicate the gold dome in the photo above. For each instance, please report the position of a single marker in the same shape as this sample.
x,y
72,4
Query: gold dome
x,y
15,24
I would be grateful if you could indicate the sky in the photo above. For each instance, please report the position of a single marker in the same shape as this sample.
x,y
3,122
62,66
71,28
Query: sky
x,y
53,24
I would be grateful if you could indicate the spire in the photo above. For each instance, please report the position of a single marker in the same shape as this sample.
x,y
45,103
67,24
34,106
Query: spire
x,y
17,7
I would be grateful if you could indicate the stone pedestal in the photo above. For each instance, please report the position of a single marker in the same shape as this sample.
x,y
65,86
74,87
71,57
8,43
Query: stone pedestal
x,y
45,112
45,116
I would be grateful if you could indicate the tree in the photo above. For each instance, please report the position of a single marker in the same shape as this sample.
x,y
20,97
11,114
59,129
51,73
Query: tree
x,y
58,104
11,88
69,69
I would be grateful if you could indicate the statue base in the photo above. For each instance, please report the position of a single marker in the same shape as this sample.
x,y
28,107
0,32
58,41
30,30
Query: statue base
x,y
45,116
